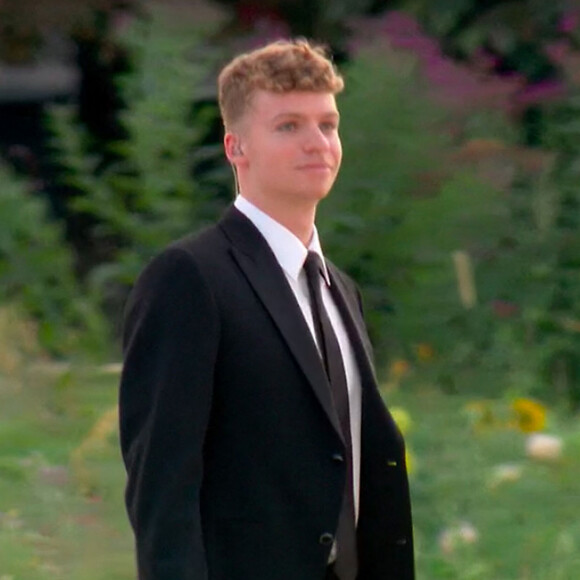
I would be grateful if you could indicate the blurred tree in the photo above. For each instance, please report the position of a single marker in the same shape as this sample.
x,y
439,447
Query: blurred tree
x,y
507,37
320,20
36,273
146,196
84,37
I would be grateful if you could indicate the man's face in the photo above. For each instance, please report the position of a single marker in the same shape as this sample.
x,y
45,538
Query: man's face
x,y
291,150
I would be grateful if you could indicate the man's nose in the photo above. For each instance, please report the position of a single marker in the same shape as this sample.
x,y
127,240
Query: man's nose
x,y
316,139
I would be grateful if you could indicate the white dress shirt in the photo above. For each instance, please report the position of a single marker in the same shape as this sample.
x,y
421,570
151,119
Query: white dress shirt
x,y
291,254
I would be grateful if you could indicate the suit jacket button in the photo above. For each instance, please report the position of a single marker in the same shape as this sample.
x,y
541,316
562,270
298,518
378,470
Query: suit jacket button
x,y
338,458
401,542
326,539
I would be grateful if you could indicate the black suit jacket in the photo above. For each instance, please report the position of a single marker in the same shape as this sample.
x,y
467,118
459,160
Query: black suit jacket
x,y
233,453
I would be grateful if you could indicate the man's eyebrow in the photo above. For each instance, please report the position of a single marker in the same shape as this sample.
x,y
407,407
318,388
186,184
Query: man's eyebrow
x,y
295,115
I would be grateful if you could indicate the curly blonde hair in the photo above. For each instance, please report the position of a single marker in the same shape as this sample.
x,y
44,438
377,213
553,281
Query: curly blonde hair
x,y
279,67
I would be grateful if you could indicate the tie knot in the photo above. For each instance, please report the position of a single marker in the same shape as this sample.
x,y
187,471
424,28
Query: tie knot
x,y
313,265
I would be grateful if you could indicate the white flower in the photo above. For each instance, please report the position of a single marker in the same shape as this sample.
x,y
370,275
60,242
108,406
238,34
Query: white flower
x,y
452,538
447,541
504,473
544,447
467,533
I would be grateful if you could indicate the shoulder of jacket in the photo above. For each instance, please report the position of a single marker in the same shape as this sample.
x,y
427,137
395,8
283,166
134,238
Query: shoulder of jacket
x,y
187,254
197,243
342,276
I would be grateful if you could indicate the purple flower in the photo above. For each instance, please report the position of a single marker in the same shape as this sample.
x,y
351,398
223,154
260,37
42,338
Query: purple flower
x,y
558,51
422,46
569,21
267,30
398,23
542,92
484,60
462,86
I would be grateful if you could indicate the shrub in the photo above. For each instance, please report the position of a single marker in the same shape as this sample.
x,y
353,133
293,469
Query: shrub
x,y
447,230
143,194
36,271
401,206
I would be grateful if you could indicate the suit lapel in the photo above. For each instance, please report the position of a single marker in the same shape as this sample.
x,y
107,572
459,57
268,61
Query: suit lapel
x,y
259,265
354,324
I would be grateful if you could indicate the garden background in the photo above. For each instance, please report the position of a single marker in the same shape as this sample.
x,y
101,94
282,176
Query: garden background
x,y
457,210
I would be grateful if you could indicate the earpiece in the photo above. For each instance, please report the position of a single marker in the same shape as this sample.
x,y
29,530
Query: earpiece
x,y
232,142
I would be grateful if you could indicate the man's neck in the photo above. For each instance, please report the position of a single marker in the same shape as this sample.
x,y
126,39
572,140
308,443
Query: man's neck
x,y
297,218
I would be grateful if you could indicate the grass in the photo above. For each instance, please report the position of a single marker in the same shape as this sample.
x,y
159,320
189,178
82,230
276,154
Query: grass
x,y
61,510
520,513
61,481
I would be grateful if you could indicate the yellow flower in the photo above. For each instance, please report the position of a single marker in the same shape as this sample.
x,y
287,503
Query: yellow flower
x,y
402,419
410,462
481,415
530,416
93,443
399,368
425,352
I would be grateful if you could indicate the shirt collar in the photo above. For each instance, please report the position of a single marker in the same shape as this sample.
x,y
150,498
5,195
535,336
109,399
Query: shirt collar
x,y
287,248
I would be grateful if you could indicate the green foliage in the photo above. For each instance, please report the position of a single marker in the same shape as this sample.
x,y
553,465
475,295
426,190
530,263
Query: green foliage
x,y
465,25
47,527
407,201
561,318
418,185
389,139
517,506
400,208
36,271
524,525
146,196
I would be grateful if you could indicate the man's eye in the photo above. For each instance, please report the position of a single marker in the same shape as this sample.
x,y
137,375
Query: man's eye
x,y
329,127
289,126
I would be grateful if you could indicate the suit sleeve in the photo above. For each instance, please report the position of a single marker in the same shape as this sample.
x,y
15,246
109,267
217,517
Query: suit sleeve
x,y
170,345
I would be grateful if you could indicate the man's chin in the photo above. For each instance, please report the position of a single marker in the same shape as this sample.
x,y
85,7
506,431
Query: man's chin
x,y
316,195
318,191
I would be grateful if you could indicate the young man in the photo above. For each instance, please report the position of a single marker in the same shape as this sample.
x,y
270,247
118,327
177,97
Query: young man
x,y
255,439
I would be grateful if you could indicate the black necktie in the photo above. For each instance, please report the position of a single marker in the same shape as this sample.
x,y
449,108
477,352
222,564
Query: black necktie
x,y
346,559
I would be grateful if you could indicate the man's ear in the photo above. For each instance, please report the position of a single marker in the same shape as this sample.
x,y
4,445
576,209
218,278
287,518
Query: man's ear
x,y
233,147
